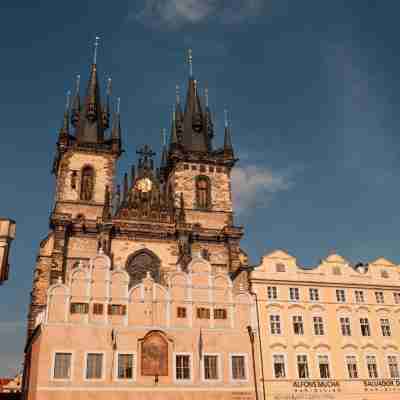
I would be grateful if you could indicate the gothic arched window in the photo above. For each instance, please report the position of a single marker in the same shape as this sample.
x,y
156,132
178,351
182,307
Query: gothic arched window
x,y
87,183
140,263
203,192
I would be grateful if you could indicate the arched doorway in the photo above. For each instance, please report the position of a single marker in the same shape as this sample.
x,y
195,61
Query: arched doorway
x,y
141,262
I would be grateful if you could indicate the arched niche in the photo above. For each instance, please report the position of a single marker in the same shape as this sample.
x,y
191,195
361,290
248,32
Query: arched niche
x,y
154,354
141,262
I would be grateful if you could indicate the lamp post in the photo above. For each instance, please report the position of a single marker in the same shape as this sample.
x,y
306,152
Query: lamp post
x,y
7,234
251,337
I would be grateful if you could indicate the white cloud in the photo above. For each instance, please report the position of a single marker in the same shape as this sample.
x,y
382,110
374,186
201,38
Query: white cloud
x,y
175,13
253,186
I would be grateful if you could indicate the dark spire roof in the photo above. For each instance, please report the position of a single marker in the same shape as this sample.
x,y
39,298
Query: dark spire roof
x,y
64,131
91,128
76,103
116,129
164,152
173,142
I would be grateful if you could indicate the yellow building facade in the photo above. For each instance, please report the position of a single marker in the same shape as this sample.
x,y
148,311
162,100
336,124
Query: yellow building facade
x,y
329,332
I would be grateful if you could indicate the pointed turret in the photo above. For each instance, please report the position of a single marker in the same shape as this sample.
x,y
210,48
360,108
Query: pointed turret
x,y
126,189
76,103
91,129
174,141
63,136
178,119
116,129
209,126
228,148
164,152
107,110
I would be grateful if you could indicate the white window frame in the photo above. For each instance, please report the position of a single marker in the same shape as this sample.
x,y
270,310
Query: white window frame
x,y
53,364
323,324
329,364
276,292
219,367
350,325
308,365
116,378
378,370
302,324
280,322
387,364
182,353
246,368
381,298
389,325
355,296
318,294
103,369
295,290
359,318
357,365
286,365
345,296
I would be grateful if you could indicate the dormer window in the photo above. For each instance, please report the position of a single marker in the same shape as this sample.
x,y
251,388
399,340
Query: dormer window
x,y
203,192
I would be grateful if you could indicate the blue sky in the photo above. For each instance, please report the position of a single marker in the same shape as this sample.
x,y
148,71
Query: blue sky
x,y
313,92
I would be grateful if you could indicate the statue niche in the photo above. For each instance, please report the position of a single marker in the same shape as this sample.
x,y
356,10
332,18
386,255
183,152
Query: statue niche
x,y
139,264
87,183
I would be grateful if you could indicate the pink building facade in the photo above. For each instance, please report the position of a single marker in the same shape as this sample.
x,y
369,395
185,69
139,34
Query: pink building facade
x,y
99,339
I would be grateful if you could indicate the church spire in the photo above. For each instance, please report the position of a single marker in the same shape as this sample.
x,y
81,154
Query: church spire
x,y
76,103
116,129
174,141
164,153
64,131
91,129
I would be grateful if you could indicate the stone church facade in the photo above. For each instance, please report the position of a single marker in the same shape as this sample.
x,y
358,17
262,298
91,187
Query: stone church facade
x,y
140,287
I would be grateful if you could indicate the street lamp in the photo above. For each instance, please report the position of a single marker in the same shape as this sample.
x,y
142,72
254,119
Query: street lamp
x,y
251,337
7,234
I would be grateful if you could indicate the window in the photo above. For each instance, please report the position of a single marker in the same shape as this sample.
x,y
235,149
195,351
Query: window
x,y
211,367
318,326
203,313
79,308
182,367
345,326
298,327
351,363
393,367
336,271
359,294
323,365
238,367
302,366
272,292
384,274
396,297
98,308
340,296
364,325
87,183
275,324
62,366
280,267
379,297
385,327
372,367
181,312
203,192
116,309
279,366
314,294
125,366
294,294
94,366
220,313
